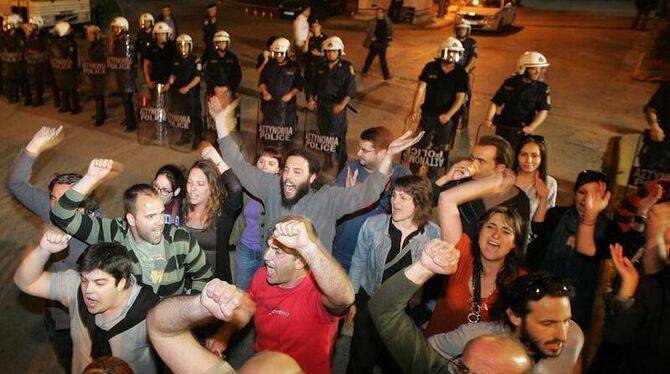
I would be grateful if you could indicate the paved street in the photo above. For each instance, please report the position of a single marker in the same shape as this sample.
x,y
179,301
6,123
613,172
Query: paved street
x,y
594,98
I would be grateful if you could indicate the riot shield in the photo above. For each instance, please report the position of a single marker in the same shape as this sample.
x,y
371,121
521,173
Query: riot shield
x,y
152,128
277,127
325,143
180,110
225,98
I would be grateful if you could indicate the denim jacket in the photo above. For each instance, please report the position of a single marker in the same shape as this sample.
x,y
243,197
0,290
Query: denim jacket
x,y
373,246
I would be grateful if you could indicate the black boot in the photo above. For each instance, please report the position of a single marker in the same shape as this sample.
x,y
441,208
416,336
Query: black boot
x,y
27,94
129,108
56,94
99,111
74,98
65,101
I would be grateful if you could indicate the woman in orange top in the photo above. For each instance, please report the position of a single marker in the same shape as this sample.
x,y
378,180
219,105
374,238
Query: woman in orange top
x,y
488,262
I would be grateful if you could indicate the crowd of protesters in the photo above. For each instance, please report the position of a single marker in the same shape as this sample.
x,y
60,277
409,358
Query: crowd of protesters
x,y
504,281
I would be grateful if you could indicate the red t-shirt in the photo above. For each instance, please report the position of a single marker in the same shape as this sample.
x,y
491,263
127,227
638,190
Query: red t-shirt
x,y
293,321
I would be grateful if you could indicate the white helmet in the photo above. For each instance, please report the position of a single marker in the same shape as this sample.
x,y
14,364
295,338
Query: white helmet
x,y
120,22
333,43
221,36
62,28
162,28
463,24
36,20
184,41
12,21
450,50
530,59
146,18
280,47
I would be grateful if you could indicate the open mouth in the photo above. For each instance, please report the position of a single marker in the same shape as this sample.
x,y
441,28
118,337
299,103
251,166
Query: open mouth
x,y
289,187
271,271
90,303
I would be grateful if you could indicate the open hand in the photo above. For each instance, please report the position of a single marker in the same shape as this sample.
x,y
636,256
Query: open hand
x,y
352,177
626,270
403,142
45,138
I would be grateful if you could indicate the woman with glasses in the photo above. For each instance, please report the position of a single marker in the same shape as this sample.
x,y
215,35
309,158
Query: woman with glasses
x,y
530,166
249,249
211,209
169,183
488,262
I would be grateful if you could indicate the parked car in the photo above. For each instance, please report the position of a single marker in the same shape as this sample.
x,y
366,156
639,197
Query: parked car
x,y
320,8
492,15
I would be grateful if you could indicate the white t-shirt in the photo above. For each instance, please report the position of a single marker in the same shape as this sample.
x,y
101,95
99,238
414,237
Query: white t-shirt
x,y
300,30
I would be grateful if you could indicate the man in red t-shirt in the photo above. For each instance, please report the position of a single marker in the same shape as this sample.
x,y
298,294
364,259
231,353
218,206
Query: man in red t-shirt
x,y
296,299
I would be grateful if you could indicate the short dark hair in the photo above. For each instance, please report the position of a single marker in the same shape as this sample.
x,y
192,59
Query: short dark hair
x,y
90,204
526,288
421,190
273,152
590,176
211,5
504,153
112,258
130,196
166,6
379,136
312,161
174,174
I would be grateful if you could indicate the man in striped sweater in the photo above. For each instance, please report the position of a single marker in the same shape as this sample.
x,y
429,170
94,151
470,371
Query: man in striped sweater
x,y
165,257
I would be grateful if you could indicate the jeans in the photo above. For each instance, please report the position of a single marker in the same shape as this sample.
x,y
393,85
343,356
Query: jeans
x,y
247,262
377,48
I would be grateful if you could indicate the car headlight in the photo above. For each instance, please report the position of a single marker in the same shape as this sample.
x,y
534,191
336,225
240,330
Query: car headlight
x,y
491,18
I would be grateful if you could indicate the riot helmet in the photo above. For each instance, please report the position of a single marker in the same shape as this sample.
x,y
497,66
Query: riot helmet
x,y
119,25
184,44
146,21
62,29
450,50
221,36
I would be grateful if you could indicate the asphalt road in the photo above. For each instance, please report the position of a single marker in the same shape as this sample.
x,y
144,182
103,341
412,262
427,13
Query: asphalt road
x,y
592,92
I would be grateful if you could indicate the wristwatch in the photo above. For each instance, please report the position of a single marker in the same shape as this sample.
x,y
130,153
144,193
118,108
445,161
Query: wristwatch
x,y
639,223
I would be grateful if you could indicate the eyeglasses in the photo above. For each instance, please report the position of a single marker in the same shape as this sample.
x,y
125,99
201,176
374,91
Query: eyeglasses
x,y
162,191
537,138
456,365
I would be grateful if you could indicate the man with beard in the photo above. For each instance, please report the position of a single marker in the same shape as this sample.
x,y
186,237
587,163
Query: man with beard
x,y
534,309
165,257
296,300
297,191
107,305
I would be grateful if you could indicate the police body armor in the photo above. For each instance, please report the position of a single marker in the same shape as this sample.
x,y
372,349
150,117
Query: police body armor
x,y
95,67
142,44
36,55
64,62
120,63
12,58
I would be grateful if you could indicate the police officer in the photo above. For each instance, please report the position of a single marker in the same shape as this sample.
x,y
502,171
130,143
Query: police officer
x,y
330,91
462,29
438,98
37,59
65,67
145,37
95,68
279,83
185,87
312,48
223,73
523,100
158,61
120,63
208,31
14,69
657,145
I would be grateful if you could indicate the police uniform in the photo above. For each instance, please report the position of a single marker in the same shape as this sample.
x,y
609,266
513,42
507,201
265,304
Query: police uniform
x,y
522,101
120,63
161,61
14,65
39,69
208,31
441,90
280,80
142,44
330,87
223,72
470,51
656,155
185,69
64,65
311,61
95,69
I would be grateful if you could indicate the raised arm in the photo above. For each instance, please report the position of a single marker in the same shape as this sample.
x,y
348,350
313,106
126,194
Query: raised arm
x,y
65,213
597,199
399,333
299,234
30,276
169,325
448,213
658,224
255,181
32,197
